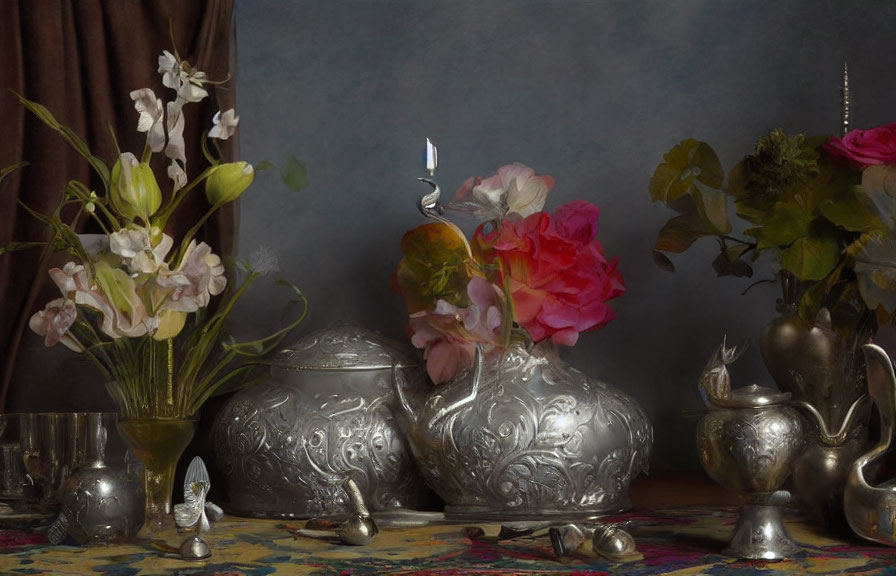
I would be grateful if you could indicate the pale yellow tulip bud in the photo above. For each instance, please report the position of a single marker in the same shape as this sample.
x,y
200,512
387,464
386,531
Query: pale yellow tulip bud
x,y
134,191
171,322
228,181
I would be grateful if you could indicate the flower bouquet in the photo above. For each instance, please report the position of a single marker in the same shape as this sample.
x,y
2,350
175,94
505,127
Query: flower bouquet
x,y
540,274
511,431
824,210
148,310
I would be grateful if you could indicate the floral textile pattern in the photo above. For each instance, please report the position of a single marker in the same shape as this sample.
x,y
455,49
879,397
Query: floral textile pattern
x,y
524,269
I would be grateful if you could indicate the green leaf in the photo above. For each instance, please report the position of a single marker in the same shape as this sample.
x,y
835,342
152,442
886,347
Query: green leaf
x,y
680,232
263,165
811,257
685,163
849,212
11,168
712,205
787,223
295,175
726,267
45,116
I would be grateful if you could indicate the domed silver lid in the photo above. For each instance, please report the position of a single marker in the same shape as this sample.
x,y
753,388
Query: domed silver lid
x,y
752,396
343,348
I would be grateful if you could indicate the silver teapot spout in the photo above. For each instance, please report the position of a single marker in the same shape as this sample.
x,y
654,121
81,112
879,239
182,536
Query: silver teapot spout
x,y
411,407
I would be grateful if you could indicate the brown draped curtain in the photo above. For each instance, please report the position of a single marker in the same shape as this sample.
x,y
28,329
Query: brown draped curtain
x,y
81,59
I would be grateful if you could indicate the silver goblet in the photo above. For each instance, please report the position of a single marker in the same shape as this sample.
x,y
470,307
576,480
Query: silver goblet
x,y
748,442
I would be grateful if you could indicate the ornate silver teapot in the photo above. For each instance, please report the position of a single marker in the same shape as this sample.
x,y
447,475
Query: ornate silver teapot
x,y
288,444
525,437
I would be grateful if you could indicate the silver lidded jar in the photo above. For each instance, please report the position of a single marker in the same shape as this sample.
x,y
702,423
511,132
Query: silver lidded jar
x,y
748,441
287,445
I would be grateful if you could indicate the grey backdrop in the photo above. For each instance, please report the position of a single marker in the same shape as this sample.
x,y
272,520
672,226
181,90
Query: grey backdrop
x,y
592,93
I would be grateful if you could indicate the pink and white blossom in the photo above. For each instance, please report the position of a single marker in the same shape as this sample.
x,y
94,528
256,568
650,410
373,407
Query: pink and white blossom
x,y
54,321
199,276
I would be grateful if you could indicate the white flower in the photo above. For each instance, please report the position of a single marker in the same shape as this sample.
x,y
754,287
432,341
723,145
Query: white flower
x,y
136,249
170,70
224,124
179,76
176,148
151,117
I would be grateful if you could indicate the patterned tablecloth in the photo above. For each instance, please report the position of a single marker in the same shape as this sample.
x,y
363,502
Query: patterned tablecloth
x,y
682,541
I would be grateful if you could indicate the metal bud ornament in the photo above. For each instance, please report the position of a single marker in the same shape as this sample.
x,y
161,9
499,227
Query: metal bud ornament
x,y
227,181
134,191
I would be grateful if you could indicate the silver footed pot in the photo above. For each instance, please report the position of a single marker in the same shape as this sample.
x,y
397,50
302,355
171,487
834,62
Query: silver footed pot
x,y
525,437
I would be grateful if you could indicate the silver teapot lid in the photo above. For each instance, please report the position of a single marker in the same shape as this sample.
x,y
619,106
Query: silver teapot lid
x,y
752,396
343,348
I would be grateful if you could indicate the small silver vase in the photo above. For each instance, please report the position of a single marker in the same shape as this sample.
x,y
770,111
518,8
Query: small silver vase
x,y
526,437
100,504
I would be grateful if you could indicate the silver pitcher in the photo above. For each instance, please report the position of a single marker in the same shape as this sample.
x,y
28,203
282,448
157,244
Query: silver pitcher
x,y
870,492
825,374
525,437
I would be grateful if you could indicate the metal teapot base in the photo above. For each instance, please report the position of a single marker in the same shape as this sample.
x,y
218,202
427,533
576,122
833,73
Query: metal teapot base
x,y
488,514
760,535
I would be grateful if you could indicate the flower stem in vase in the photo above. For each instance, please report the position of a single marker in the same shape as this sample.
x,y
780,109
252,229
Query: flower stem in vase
x,y
158,444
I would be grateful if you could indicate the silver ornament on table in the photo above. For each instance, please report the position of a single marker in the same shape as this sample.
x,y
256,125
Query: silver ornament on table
x,y
870,492
748,442
359,529
99,503
192,513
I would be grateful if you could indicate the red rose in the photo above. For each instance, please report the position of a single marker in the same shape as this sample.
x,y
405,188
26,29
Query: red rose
x,y
865,147
554,270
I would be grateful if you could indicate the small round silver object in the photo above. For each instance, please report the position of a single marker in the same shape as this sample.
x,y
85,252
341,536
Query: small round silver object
x,y
614,544
195,548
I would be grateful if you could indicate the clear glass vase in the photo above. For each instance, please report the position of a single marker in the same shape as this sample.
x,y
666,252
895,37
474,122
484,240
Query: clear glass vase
x,y
158,443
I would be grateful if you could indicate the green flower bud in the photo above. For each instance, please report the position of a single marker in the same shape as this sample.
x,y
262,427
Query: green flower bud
x,y
134,192
228,181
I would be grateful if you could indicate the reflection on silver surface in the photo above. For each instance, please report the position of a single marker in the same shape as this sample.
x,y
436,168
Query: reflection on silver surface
x,y
525,437
870,491
287,444
100,504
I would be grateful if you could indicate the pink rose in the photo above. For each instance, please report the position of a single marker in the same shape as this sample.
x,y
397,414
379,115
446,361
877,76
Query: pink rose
x,y
556,272
865,147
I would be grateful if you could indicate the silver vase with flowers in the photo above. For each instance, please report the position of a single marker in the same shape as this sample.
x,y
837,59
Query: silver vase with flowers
x,y
819,208
507,430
